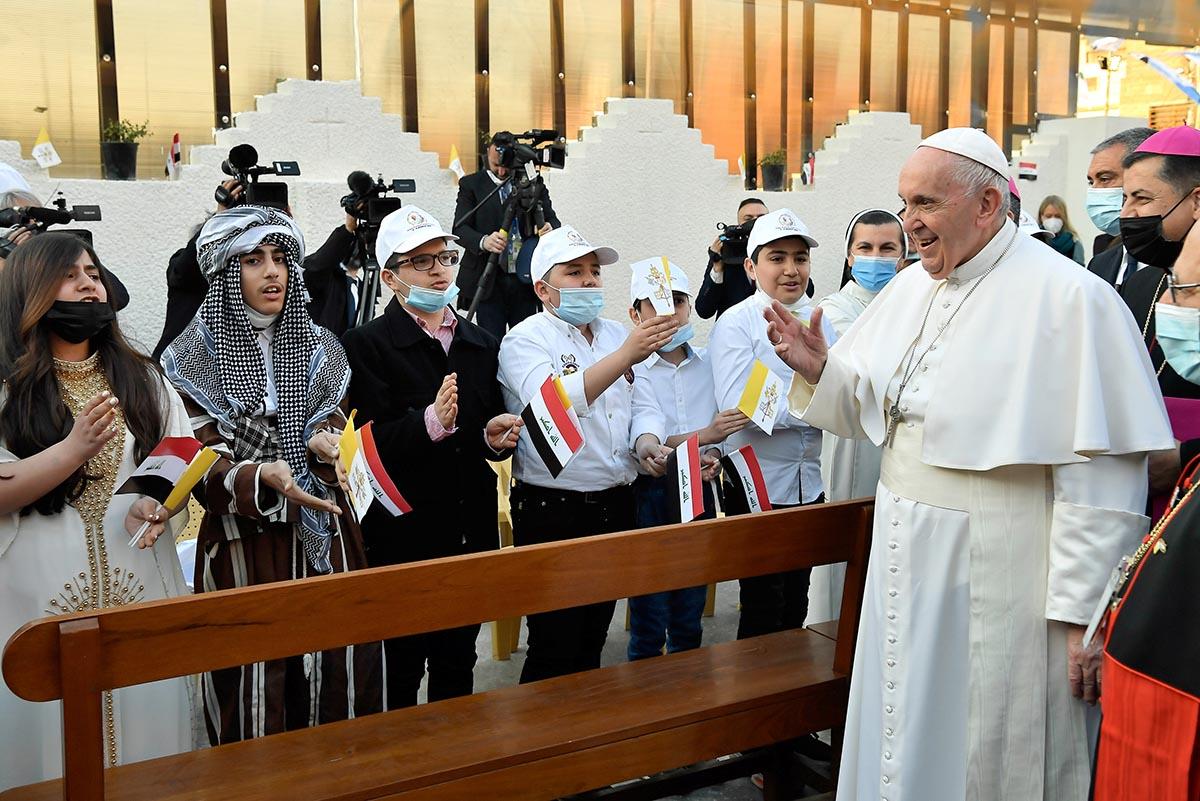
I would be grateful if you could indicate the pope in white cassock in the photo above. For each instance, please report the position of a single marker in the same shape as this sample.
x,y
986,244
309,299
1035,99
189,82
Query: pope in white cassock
x,y
1015,404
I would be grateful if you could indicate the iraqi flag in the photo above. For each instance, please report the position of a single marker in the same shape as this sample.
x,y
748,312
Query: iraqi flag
x,y
687,490
743,472
171,471
381,483
553,426
174,159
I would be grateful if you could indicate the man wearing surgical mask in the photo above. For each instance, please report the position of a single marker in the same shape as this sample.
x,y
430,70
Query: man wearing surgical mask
x,y
425,378
1105,197
1162,203
593,359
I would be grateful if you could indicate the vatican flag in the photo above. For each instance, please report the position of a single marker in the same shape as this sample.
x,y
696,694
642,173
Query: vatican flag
x,y
455,165
44,152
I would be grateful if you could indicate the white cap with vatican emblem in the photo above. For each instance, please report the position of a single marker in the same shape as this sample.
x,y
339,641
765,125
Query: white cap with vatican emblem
x,y
970,143
777,225
405,229
561,246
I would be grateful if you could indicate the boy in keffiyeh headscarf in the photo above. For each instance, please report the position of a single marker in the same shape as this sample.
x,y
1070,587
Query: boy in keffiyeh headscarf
x,y
263,385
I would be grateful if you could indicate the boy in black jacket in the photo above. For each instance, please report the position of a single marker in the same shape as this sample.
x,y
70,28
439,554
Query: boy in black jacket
x,y
427,379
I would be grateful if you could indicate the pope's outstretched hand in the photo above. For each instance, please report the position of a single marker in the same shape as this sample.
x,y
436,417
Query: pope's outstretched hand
x,y
802,347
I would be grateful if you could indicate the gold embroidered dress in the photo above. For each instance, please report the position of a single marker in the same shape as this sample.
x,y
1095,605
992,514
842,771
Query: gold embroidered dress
x,y
79,559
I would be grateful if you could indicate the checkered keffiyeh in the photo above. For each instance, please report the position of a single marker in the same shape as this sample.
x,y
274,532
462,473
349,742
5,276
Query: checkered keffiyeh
x,y
216,361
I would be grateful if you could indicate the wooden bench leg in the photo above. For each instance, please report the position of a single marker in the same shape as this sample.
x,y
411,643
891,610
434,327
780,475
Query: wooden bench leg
x,y
710,600
778,781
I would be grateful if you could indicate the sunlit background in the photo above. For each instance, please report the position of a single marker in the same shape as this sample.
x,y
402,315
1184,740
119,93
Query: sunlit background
x,y
754,76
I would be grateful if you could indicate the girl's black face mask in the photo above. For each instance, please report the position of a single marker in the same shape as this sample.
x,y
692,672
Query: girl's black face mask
x,y
1143,238
79,320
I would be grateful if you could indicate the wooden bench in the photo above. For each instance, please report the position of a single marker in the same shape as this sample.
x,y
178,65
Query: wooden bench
x,y
542,740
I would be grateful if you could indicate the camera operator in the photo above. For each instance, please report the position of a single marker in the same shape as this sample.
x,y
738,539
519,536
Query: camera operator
x,y
512,298
186,286
334,278
17,194
725,281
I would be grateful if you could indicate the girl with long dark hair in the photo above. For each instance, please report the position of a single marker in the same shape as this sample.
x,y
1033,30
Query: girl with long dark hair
x,y
264,386
79,410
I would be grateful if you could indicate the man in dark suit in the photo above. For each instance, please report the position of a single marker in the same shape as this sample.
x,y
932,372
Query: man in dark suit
x,y
334,278
1105,178
511,299
725,282
427,381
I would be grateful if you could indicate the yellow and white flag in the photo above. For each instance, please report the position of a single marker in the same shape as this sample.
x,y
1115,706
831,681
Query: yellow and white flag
x,y
355,465
455,166
742,166
44,152
763,396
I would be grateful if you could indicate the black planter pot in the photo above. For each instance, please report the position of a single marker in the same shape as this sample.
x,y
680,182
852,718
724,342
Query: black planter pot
x,y
773,177
120,160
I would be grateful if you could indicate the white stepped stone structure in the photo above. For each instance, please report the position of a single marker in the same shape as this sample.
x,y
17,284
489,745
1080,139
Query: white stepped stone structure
x,y
639,179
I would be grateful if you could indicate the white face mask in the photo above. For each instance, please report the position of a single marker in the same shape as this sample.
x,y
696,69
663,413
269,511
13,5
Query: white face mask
x,y
1053,225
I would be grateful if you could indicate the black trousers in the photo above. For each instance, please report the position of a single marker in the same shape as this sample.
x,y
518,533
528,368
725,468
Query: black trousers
x,y
776,601
449,655
511,301
567,640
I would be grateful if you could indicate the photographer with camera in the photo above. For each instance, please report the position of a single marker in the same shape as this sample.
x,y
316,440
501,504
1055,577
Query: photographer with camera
x,y
22,216
479,216
334,278
725,281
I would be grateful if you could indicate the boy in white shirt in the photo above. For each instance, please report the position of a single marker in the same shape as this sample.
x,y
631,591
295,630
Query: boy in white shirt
x,y
593,494
790,457
672,399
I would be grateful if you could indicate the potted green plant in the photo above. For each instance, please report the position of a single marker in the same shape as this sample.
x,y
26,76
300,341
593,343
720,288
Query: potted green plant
x,y
118,148
773,165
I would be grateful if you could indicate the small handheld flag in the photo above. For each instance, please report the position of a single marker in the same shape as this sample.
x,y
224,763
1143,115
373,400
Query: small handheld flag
x,y
174,159
742,470
43,150
355,465
687,491
381,484
168,474
455,166
761,397
553,425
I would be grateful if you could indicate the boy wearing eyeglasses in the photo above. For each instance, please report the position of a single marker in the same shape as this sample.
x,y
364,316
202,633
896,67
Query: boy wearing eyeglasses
x,y
427,379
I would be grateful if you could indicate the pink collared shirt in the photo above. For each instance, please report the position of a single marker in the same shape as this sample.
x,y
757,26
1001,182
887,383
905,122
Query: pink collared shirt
x,y
444,334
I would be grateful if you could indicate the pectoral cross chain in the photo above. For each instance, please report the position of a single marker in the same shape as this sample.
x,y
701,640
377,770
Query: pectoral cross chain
x,y
894,419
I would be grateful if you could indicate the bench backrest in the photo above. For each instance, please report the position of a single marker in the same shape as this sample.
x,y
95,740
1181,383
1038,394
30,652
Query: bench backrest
x,y
74,657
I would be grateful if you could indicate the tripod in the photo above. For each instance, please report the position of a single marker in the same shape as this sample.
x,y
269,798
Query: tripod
x,y
524,199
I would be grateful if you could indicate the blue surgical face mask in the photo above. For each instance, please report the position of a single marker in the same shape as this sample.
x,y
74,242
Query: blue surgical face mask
x,y
872,273
1104,207
1178,332
579,306
429,300
681,336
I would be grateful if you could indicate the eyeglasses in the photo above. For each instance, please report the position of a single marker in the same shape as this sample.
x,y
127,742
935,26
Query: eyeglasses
x,y
424,262
1174,287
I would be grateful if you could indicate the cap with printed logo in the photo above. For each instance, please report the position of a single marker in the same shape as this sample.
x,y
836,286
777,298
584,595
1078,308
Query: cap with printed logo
x,y
644,282
777,225
561,246
406,229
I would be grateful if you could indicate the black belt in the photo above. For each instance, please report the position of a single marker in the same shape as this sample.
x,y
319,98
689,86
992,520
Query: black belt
x,y
565,496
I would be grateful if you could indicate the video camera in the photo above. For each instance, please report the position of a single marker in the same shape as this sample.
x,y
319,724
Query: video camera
x,y
369,202
39,218
539,147
242,164
734,238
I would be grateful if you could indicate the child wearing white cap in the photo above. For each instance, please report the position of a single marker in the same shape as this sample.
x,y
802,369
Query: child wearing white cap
x,y
672,400
790,457
426,379
594,358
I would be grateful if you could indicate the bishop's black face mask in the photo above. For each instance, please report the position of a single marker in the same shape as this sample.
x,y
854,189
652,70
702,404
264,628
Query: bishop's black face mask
x,y
79,320
1143,238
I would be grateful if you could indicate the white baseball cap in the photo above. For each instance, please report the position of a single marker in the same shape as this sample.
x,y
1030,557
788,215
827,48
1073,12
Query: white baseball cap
x,y
641,286
563,245
779,224
1029,226
405,229
970,143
